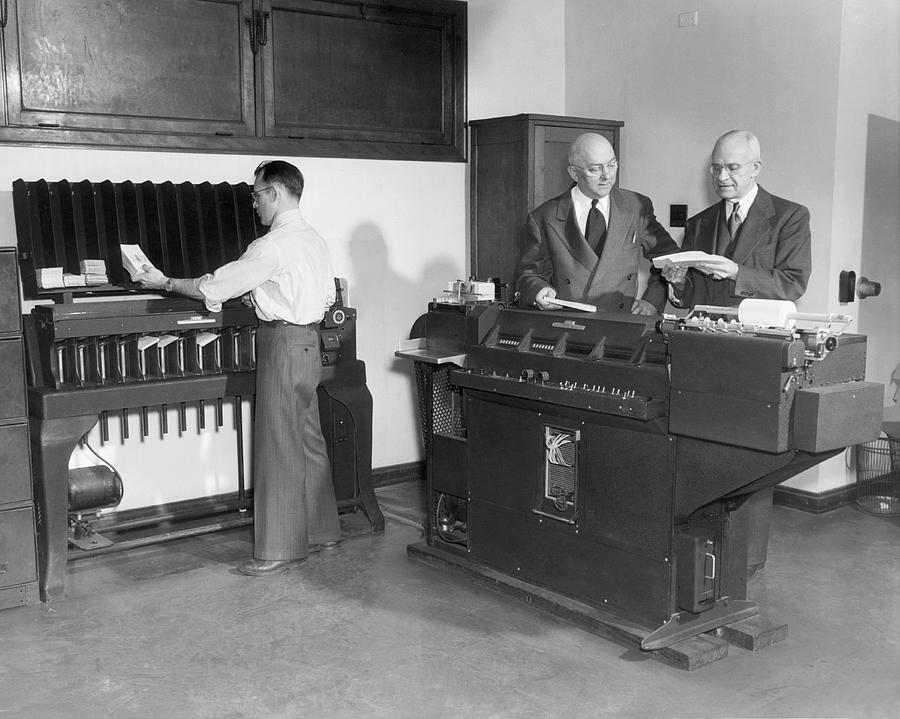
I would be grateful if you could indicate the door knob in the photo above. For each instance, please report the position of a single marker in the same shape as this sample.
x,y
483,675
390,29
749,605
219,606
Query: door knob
x,y
867,288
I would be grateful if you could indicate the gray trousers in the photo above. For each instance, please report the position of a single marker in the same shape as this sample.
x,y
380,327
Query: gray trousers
x,y
293,495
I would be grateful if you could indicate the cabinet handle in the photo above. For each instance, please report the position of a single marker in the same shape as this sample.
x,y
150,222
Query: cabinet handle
x,y
251,25
262,33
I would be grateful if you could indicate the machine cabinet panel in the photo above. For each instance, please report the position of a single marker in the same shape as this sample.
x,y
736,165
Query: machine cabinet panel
x,y
12,379
15,477
17,551
518,162
18,557
10,306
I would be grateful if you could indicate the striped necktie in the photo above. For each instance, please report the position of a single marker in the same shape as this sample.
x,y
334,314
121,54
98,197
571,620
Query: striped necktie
x,y
734,220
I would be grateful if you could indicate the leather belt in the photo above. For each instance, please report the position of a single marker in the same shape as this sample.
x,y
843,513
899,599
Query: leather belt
x,y
285,323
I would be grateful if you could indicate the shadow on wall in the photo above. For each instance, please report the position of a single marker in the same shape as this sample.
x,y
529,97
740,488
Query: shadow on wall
x,y
390,302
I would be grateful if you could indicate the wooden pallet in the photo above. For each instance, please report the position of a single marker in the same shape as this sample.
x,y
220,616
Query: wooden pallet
x,y
752,633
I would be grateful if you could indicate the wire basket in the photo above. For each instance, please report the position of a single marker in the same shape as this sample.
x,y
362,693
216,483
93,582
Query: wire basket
x,y
878,476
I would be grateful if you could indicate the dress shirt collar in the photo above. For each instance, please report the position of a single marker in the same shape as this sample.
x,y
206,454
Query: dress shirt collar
x,y
746,202
285,216
583,204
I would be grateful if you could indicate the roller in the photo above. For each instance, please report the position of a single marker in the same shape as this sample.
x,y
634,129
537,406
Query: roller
x,y
767,313
783,314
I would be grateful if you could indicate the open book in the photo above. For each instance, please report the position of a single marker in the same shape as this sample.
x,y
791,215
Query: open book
x,y
134,260
692,258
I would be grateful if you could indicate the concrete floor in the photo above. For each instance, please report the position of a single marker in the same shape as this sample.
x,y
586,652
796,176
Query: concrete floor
x,y
172,630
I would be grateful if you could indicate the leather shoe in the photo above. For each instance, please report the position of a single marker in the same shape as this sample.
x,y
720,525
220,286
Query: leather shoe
x,y
265,567
324,546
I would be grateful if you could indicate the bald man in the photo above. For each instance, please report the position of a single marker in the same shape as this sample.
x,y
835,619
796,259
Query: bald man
x,y
766,243
765,239
587,244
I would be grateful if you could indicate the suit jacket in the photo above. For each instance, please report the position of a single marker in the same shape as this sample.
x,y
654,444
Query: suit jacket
x,y
772,250
555,253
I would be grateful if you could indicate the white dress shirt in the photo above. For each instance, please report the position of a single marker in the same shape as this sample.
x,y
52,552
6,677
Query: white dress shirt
x,y
582,205
745,202
287,272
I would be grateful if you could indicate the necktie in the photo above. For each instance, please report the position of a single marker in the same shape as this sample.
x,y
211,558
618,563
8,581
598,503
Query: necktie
x,y
727,240
734,220
595,228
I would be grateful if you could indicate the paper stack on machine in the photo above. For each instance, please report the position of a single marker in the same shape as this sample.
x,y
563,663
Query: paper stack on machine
x,y
49,277
93,272
462,291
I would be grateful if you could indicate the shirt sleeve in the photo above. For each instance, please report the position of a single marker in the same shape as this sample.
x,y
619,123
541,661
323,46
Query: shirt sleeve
x,y
234,279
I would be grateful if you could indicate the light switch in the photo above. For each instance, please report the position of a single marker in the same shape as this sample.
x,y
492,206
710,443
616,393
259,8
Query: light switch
x,y
689,19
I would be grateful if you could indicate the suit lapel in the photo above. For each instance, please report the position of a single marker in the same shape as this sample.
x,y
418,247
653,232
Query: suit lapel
x,y
756,227
617,232
567,226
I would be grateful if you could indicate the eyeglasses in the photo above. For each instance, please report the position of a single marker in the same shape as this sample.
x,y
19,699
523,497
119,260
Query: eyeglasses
x,y
598,169
255,194
731,169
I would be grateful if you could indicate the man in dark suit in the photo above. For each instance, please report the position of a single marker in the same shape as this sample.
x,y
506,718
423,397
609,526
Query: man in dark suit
x,y
767,250
586,244
765,241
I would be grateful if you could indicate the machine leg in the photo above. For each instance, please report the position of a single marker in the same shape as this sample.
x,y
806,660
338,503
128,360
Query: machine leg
x,y
52,443
357,401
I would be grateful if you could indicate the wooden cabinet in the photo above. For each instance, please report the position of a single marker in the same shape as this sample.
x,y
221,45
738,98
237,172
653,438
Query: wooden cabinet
x,y
18,557
277,77
518,162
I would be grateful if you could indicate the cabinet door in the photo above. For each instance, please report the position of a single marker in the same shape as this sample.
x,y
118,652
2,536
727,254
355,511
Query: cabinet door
x,y
390,72
167,66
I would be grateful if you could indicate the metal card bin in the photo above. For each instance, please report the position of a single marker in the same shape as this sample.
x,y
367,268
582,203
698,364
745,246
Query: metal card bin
x,y
878,476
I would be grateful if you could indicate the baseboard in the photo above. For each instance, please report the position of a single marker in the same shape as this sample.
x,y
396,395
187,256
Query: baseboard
x,y
397,473
816,503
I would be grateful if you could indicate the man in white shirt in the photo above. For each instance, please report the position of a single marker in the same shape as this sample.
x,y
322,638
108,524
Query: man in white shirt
x,y
287,273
